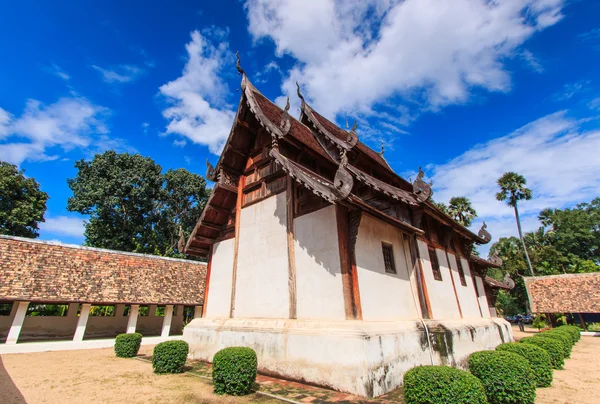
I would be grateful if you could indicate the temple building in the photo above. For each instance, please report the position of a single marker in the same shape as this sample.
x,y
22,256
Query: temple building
x,y
334,269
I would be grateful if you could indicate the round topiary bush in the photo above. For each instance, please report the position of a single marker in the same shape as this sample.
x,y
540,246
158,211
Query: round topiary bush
x,y
554,348
170,356
506,377
572,330
559,336
538,359
127,345
234,371
441,385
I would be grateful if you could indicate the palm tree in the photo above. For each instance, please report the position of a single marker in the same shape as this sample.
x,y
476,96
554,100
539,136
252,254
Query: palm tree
x,y
513,190
460,209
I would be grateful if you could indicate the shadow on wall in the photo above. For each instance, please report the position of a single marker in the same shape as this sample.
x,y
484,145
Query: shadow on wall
x,y
9,392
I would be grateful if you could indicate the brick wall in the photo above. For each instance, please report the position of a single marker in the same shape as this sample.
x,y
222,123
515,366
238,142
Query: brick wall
x,y
41,271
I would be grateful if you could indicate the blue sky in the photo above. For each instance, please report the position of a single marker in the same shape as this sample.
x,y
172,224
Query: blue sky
x,y
467,89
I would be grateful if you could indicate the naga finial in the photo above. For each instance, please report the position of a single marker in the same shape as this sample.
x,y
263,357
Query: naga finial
x,y
508,281
354,126
210,171
484,234
237,63
420,188
299,93
495,259
287,104
382,149
285,124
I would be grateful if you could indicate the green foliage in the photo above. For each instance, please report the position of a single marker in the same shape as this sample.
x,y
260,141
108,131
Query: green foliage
x,y
538,359
561,319
22,204
561,336
133,206
539,321
573,330
507,304
441,385
512,189
234,371
593,327
170,356
461,210
127,345
554,348
506,376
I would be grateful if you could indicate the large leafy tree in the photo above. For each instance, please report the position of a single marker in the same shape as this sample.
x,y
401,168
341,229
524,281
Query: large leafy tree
x,y
512,190
460,208
22,203
133,206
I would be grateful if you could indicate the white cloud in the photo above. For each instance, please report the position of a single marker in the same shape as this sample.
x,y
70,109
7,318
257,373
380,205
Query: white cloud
x,y
63,226
120,74
354,54
570,90
532,61
558,158
593,104
59,72
179,143
198,108
70,123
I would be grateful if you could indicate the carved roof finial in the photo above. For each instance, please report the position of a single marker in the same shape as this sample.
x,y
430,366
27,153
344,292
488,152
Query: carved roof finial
x,y
287,104
285,124
299,93
420,188
347,126
211,174
382,148
484,234
238,65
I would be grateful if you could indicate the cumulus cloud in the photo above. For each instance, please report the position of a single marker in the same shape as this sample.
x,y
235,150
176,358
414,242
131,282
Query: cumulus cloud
x,y
353,54
554,153
63,226
120,74
198,109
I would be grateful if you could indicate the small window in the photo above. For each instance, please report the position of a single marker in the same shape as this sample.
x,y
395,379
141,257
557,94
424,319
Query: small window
x,y
461,272
435,265
388,258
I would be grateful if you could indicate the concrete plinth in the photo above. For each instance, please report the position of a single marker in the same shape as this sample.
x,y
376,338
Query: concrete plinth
x,y
359,357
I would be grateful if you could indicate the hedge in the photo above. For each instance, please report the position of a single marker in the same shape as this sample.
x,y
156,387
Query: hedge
x,y
170,356
554,348
538,359
441,385
559,336
506,376
127,345
572,330
234,371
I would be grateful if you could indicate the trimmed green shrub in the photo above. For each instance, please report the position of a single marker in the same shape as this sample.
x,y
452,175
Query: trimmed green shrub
x,y
572,330
441,385
506,377
234,371
559,336
127,345
170,356
554,348
538,359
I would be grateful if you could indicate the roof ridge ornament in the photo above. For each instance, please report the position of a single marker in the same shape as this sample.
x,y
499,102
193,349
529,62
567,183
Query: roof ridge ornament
x,y
484,234
285,124
420,188
238,64
211,173
495,259
299,93
352,138
382,149
508,281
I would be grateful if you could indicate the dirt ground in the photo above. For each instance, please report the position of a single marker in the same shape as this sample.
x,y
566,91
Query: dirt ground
x,y
97,376
579,381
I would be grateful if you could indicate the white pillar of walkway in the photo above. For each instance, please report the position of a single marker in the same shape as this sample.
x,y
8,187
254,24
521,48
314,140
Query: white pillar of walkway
x,y
132,321
166,328
17,324
82,322
197,311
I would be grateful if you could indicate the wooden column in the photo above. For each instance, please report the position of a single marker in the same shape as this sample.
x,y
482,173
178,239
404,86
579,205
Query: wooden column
x,y
421,284
238,217
453,284
206,285
289,197
351,290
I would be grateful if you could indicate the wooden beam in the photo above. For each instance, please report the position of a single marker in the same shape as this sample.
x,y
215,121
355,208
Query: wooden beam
x,y
205,240
199,251
220,209
289,196
207,282
212,226
238,211
421,285
352,306
453,284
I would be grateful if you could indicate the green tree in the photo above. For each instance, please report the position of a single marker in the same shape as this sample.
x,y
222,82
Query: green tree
x,y
133,206
513,190
461,210
22,203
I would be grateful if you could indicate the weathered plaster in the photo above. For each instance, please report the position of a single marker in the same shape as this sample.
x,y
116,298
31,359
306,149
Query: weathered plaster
x,y
483,303
318,277
262,289
384,296
466,294
219,292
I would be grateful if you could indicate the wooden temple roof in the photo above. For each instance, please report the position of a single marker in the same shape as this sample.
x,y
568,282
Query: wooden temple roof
x,y
349,172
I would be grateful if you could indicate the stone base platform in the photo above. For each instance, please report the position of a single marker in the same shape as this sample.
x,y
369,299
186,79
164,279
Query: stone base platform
x,y
358,357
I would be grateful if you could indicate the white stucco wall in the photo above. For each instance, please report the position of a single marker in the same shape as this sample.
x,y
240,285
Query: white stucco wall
x,y
383,296
262,289
483,303
319,290
441,293
466,294
221,270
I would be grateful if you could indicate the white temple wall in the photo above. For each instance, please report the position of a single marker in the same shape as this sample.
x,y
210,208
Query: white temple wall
x,y
219,290
262,289
483,303
319,290
383,296
441,293
469,303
